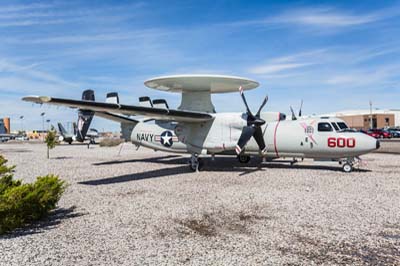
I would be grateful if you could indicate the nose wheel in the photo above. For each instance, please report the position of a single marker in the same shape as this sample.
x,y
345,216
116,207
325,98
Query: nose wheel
x,y
347,168
349,163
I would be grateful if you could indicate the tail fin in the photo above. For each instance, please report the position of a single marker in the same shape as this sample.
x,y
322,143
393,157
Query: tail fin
x,y
74,126
84,117
62,130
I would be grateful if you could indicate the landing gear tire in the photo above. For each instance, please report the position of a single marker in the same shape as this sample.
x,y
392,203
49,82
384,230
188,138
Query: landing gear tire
x,y
347,168
196,164
243,158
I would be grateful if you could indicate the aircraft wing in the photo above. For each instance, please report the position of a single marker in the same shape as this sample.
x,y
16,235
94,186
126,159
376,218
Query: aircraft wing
x,y
117,117
156,113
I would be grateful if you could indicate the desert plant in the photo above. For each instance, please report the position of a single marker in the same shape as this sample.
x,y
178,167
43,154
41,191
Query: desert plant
x,y
6,176
24,203
50,140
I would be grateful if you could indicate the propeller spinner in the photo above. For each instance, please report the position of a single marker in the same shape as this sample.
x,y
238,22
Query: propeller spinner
x,y
253,128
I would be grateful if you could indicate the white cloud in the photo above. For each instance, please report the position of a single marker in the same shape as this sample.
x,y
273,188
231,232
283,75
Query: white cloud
x,y
323,18
18,8
274,68
320,18
281,65
28,71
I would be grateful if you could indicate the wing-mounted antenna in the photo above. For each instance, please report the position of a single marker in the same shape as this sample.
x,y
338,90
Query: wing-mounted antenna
x,y
112,97
145,101
160,103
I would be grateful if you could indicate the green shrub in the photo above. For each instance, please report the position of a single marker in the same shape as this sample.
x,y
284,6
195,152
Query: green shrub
x,y
50,140
110,142
24,203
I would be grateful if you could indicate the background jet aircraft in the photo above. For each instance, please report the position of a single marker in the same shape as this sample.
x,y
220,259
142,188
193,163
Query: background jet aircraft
x,y
81,130
195,127
70,137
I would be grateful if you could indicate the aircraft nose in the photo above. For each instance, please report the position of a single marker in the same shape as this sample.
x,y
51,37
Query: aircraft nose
x,y
378,144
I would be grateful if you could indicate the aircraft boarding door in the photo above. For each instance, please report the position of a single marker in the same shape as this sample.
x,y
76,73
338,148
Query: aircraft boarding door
x,y
309,141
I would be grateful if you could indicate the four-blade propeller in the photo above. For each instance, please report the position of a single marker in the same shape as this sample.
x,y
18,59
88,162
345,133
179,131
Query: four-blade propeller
x,y
253,128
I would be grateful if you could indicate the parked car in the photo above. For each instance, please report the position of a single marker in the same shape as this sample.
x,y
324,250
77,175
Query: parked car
x,y
370,133
395,132
383,134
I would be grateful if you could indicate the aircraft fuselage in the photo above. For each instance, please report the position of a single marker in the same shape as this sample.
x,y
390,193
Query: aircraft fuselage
x,y
304,138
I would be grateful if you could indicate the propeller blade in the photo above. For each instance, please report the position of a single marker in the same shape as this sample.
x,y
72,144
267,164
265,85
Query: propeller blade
x,y
258,136
301,107
247,133
262,106
293,115
245,102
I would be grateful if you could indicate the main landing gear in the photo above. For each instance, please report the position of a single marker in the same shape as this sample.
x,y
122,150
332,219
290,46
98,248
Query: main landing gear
x,y
195,163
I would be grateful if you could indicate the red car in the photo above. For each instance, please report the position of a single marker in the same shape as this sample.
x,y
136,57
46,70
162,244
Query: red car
x,y
371,133
383,134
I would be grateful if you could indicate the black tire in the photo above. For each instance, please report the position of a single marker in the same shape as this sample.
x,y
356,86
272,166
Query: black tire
x,y
243,158
200,166
347,168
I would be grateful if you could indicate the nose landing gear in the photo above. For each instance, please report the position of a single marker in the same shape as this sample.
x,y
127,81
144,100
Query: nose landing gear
x,y
347,168
349,163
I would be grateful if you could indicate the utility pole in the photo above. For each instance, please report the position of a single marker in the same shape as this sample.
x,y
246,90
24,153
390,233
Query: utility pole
x,y
22,122
42,115
370,114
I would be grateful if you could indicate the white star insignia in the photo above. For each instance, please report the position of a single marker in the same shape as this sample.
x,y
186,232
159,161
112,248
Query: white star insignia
x,y
167,139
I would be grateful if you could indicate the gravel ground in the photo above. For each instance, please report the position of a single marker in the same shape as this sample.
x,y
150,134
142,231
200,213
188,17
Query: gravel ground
x,y
146,208
390,146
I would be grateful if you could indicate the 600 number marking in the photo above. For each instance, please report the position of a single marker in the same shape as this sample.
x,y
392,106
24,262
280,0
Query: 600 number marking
x,y
341,142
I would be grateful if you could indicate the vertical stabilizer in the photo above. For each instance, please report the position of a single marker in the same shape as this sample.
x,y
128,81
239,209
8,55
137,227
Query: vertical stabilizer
x,y
84,117
75,127
62,130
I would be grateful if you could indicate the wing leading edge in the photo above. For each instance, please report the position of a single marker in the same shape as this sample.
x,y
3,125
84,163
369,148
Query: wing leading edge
x,y
156,113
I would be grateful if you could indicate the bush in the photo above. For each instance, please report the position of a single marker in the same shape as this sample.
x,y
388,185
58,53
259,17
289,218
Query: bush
x,y
24,203
50,140
110,142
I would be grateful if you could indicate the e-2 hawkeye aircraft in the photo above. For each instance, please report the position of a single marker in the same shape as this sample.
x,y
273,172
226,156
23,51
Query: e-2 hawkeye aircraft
x,y
195,127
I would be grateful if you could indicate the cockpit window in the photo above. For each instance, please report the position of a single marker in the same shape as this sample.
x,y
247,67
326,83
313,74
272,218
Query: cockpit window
x,y
342,125
335,126
324,127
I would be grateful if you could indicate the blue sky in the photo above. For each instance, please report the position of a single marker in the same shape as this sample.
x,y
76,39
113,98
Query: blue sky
x,y
333,54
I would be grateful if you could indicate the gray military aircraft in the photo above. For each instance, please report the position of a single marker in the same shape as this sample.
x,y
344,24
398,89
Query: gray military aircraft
x,y
195,127
77,135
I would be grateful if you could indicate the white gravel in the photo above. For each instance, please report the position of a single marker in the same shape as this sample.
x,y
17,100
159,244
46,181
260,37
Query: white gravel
x,y
147,208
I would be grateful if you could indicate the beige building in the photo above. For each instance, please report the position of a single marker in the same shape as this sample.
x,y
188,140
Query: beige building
x,y
360,119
